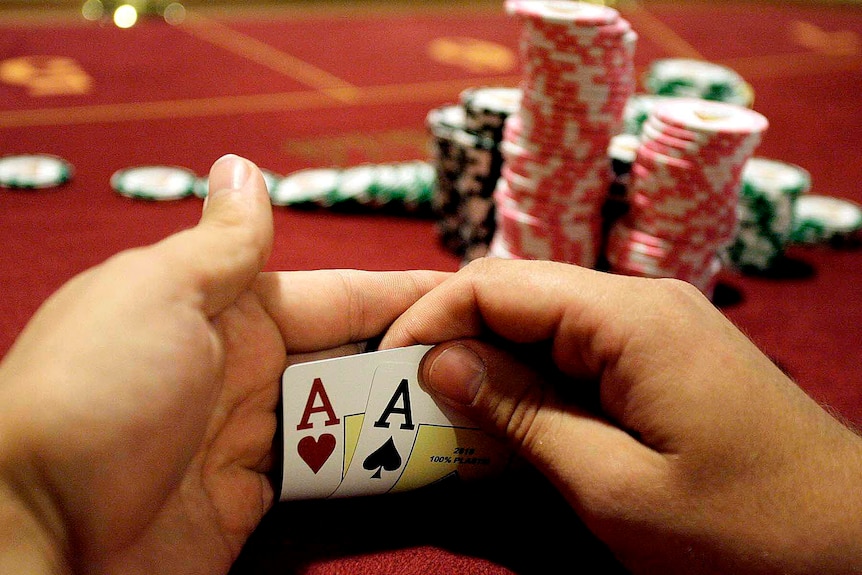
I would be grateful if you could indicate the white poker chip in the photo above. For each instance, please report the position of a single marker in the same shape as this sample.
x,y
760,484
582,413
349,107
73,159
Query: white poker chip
x,y
710,116
34,171
157,183
309,186
358,183
773,176
821,219
494,99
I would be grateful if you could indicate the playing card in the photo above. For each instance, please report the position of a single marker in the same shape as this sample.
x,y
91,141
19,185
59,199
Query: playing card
x,y
408,441
323,406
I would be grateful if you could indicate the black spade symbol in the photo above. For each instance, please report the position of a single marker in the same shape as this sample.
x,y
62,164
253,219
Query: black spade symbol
x,y
384,457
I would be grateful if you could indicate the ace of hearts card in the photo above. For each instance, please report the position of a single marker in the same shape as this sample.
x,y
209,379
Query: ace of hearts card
x,y
362,425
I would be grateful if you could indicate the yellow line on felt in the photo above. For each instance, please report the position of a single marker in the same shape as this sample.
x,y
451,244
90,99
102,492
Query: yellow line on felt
x,y
253,49
648,25
434,93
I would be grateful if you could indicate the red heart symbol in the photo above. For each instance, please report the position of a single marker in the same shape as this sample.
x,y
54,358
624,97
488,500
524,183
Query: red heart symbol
x,y
315,452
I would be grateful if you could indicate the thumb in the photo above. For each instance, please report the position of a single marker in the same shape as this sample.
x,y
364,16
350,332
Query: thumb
x,y
231,243
582,454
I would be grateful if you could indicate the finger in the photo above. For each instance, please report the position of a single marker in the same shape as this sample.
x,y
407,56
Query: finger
x,y
522,302
319,310
231,243
570,445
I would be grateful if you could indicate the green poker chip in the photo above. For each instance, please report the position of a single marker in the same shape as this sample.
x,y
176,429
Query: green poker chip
x,y
359,185
690,78
775,177
399,186
313,186
826,220
637,109
154,183
34,171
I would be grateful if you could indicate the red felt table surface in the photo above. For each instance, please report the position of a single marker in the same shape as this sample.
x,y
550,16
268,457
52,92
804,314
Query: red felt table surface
x,y
292,88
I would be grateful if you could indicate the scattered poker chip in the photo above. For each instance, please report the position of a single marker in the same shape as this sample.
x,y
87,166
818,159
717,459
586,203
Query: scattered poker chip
x,y
826,220
357,185
34,171
155,183
398,187
202,185
767,198
313,186
690,78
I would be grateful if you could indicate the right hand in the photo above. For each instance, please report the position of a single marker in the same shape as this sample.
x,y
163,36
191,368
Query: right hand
x,y
700,456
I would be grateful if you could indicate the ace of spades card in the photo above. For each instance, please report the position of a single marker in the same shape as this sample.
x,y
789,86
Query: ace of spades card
x,y
407,440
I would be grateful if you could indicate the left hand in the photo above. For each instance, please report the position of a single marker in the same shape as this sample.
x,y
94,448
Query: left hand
x,y
137,409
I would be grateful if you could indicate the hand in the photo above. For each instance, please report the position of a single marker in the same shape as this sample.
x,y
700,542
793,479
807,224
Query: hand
x,y
137,409
698,455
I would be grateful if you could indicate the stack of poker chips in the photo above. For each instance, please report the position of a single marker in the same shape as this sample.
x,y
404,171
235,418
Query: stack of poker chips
x,y
446,155
622,152
767,200
683,192
578,75
465,148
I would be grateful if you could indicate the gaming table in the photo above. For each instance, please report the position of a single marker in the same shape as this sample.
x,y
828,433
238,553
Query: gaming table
x,y
292,86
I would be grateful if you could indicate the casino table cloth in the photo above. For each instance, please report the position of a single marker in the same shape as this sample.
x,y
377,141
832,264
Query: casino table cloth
x,y
293,86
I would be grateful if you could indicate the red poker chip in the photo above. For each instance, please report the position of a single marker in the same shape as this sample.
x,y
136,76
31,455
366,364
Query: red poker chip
x,y
576,36
563,12
676,220
661,146
532,130
654,158
650,132
674,131
571,95
711,117
633,252
589,190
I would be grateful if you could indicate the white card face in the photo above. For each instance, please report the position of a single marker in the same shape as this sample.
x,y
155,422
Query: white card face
x,y
323,410
398,411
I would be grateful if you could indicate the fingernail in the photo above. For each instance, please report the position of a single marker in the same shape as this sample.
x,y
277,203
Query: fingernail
x,y
456,374
229,172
